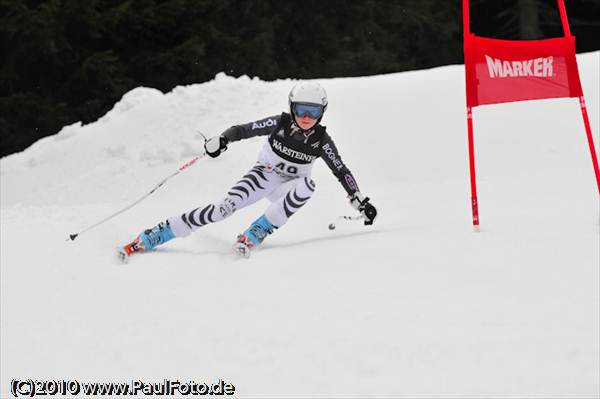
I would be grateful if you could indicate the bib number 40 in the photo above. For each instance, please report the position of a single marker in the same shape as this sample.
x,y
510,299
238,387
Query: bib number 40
x,y
289,169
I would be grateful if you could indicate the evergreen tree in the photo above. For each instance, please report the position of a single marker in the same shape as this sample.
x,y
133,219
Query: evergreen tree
x,y
70,60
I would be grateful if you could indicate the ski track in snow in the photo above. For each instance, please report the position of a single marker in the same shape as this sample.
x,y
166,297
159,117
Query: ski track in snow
x,y
416,305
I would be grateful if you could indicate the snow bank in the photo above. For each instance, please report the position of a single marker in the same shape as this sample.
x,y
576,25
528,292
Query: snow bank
x,y
416,305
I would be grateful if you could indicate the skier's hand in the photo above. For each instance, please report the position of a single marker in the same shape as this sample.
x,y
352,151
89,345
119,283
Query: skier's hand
x,y
362,204
215,145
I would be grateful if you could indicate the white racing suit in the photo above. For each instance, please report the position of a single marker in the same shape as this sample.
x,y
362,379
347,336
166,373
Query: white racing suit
x,y
282,174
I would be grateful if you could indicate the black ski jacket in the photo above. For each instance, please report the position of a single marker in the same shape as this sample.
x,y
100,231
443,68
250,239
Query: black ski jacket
x,y
294,148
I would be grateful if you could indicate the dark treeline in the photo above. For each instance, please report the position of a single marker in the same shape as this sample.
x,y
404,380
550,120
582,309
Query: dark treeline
x,y
70,60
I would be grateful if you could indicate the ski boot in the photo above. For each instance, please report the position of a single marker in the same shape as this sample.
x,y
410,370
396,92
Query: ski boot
x,y
253,236
147,241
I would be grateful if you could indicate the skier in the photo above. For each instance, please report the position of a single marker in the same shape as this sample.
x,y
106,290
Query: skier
x,y
282,174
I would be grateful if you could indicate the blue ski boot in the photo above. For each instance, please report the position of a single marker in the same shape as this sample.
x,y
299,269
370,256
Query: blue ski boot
x,y
148,240
253,236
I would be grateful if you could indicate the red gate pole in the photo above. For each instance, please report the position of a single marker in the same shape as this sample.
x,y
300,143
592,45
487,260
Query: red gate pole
x,y
584,114
588,132
563,18
474,204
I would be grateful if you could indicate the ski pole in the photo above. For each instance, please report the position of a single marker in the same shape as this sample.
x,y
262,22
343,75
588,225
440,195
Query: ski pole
x,y
186,165
359,217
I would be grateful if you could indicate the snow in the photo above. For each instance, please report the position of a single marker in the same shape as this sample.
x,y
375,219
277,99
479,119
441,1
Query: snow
x,y
417,305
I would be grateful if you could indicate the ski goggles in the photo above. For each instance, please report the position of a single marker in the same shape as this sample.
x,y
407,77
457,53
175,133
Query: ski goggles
x,y
311,110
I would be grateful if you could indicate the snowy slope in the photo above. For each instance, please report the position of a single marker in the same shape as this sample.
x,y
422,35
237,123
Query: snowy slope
x,y
416,305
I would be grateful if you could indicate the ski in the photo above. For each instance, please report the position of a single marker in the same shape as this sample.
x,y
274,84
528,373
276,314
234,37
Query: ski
x,y
242,247
126,251
241,250
122,255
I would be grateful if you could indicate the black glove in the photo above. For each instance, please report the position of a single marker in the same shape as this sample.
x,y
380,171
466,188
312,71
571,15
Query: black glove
x,y
363,205
215,145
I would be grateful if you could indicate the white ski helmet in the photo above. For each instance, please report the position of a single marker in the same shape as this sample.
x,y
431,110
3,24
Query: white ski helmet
x,y
307,93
